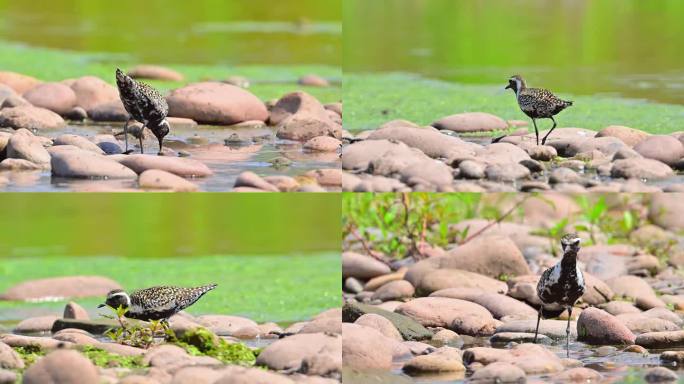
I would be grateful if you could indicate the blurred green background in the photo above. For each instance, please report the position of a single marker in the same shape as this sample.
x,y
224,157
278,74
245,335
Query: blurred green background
x,y
275,256
190,32
594,52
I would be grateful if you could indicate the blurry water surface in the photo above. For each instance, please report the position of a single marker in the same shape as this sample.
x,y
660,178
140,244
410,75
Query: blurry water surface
x,y
629,48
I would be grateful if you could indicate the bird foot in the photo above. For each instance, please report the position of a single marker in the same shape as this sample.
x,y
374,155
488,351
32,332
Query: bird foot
x,y
160,153
128,152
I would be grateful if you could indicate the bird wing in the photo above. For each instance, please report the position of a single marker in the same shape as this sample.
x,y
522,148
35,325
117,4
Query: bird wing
x,y
159,108
160,298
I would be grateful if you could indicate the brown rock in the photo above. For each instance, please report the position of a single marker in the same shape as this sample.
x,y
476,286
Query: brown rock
x,y
18,82
30,117
492,256
9,359
599,327
56,97
428,280
365,348
460,316
28,147
380,324
91,91
74,311
330,177
578,374
63,367
394,290
471,122
108,111
641,169
68,286
180,166
313,81
664,148
78,141
629,136
499,372
154,72
445,359
158,179
223,325
362,266
661,340
323,144
313,354
74,162
216,103
252,180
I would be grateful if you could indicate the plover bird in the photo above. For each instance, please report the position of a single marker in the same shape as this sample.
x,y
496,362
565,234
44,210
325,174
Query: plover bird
x,y
561,285
156,303
144,104
537,103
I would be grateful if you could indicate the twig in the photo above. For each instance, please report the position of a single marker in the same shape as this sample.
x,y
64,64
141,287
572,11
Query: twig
x,y
365,244
497,221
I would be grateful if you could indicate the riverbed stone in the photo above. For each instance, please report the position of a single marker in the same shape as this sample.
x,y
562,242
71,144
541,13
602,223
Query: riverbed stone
x,y
361,266
224,325
641,169
314,353
7,377
215,103
30,117
501,305
252,180
365,348
78,141
471,122
323,144
180,166
395,290
56,97
328,177
9,359
381,324
498,372
460,316
640,323
629,136
471,169
630,286
600,327
109,111
429,281
444,359
60,287
78,163
35,324
18,82
63,367
507,172
660,375
664,148
490,255
578,374
154,72
302,127
661,340
620,307
408,328
554,329
23,145
428,141
158,179
91,91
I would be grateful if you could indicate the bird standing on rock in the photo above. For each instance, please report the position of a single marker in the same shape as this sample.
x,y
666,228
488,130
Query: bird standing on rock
x,y
537,103
561,286
156,303
144,104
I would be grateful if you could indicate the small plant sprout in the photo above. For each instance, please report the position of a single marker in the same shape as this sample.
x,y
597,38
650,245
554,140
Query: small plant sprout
x,y
135,335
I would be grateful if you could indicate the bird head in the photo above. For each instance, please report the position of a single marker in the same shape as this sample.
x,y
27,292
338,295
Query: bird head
x,y
116,298
515,83
570,242
161,129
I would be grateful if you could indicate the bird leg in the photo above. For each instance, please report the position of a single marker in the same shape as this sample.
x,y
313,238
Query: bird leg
x,y
142,130
536,331
547,135
567,334
125,132
536,131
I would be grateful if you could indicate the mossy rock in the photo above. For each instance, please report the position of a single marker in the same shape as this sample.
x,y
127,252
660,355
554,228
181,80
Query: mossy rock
x,y
409,328
203,342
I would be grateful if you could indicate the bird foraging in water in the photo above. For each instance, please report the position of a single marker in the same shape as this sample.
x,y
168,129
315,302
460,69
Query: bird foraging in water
x,y
537,103
156,303
561,285
144,104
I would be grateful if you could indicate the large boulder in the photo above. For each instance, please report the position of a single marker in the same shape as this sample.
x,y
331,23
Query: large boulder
x,y
25,146
180,166
299,116
664,148
73,162
471,122
320,353
30,117
62,367
429,141
362,266
407,327
640,168
460,316
56,97
18,82
92,91
365,348
60,287
597,326
216,103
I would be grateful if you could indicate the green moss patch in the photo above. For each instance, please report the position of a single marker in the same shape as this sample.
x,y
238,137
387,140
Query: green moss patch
x,y
202,342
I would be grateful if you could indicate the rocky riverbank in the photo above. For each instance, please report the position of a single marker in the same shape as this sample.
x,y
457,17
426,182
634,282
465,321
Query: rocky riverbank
x,y
71,348
222,137
445,157
468,310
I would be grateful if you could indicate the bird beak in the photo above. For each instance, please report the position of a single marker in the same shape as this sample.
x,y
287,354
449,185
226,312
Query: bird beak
x,y
102,305
508,86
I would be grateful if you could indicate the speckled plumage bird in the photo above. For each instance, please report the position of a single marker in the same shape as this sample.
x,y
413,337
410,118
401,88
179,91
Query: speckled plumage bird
x,y
144,104
537,103
156,303
561,285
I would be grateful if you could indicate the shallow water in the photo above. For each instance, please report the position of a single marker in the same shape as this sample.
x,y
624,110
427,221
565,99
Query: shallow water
x,y
227,162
